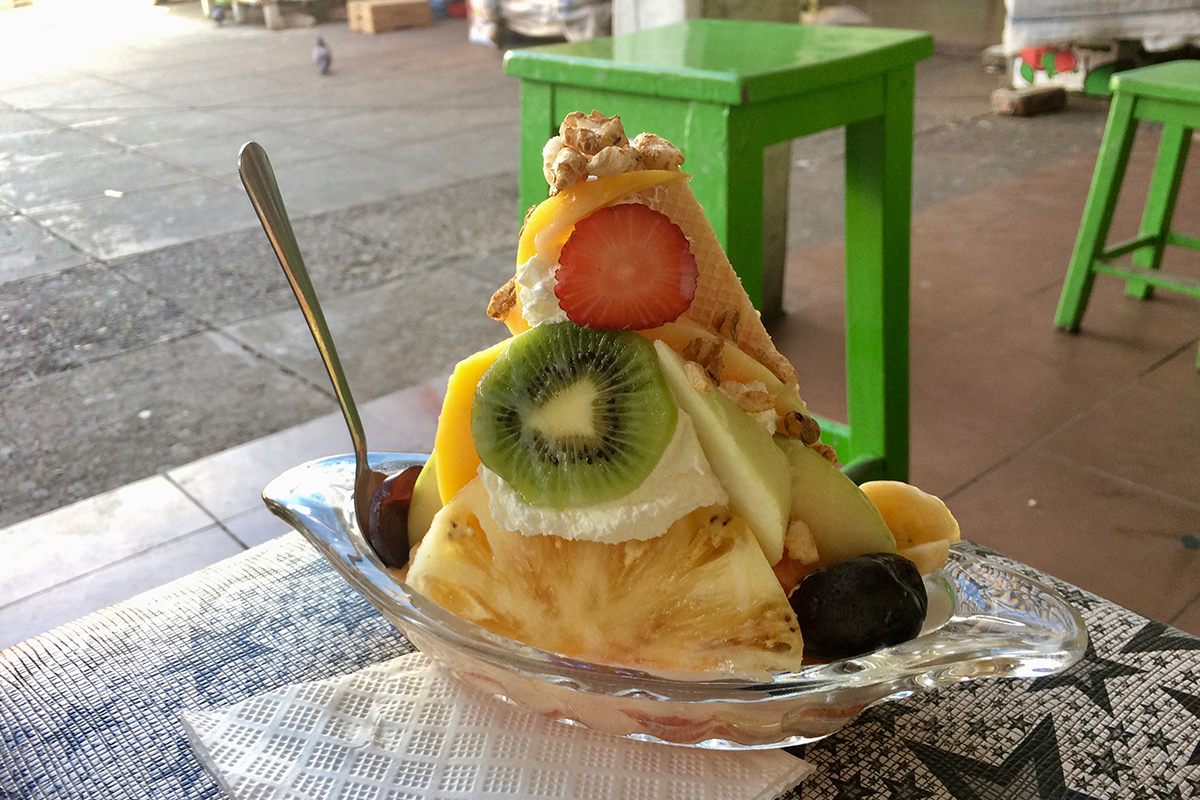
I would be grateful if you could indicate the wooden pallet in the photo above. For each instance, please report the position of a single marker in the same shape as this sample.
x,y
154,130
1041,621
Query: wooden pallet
x,y
377,16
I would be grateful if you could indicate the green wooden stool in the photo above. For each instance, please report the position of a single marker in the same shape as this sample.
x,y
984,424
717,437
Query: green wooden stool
x,y
1167,93
723,91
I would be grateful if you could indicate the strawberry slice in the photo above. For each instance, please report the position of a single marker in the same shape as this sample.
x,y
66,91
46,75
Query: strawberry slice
x,y
625,267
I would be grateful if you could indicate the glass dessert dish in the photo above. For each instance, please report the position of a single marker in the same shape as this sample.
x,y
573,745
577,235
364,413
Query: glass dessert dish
x,y
984,620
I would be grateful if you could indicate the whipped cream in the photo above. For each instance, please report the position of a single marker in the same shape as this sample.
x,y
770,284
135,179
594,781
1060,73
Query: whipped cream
x,y
681,482
535,290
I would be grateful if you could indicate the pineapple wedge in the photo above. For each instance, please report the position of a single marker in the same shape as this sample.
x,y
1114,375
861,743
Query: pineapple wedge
x,y
700,598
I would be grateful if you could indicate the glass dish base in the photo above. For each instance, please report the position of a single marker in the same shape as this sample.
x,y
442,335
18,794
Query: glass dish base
x,y
985,621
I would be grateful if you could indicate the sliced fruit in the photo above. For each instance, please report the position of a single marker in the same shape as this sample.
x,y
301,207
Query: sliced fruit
x,y
547,228
922,524
625,267
743,457
738,365
571,417
453,447
843,521
426,502
928,557
698,598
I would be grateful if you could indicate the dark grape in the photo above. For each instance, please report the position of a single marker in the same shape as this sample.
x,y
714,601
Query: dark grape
x,y
860,604
387,517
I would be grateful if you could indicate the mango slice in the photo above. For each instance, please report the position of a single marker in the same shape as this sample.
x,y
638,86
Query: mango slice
x,y
547,229
453,448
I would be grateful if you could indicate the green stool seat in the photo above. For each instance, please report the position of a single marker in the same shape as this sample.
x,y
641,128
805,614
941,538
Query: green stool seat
x,y
1167,93
723,91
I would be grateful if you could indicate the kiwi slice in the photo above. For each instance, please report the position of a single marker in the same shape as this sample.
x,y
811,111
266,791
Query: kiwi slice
x,y
571,416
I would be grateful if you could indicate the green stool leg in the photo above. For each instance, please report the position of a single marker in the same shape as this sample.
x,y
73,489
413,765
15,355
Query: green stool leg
x,y
537,125
1160,203
1097,212
741,209
879,213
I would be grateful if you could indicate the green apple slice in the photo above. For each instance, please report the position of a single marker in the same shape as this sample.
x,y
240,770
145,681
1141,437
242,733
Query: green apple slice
x,y
843,521
742,454
425,503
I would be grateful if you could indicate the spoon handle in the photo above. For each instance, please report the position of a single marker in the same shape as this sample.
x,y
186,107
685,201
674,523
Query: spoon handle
x,y
259,179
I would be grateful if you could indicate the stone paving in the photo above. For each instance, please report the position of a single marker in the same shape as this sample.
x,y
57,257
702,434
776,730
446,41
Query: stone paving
x,y
144,331
154,372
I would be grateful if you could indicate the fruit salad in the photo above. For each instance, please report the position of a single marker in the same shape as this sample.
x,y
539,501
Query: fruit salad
x,y
632,477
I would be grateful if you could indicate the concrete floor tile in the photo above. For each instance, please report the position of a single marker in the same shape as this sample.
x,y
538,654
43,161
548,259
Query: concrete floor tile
x,y
79,89
407,419
1087,527
99,426
72,541
81,119
235,90
34,187
1123,338
948,95
472,154
291,116
256,527
150,219
12,122
217,156
470,218
27,249
148,73
1189,619
66,319
20,75
114,583
428,321
494,269
388,127
977,402
168,125
130,100
230,483
328,184
1148,434
233,277
36,147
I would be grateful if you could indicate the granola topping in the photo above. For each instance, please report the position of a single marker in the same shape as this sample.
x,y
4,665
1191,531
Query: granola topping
x,y
595,145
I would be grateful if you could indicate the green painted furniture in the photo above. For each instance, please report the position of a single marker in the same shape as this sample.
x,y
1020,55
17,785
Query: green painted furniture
x,y
725,90
1167,93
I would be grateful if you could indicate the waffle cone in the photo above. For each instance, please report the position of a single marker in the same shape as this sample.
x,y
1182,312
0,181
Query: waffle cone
x,y
719,291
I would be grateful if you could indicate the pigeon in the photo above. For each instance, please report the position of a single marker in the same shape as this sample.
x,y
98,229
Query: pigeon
x,y
218,15
322,56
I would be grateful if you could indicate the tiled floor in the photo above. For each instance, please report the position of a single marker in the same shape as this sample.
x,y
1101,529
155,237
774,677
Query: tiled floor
x,y
1078,454
1075,453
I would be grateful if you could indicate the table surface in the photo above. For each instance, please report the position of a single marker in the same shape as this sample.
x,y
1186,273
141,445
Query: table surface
x,y
90,710
726,61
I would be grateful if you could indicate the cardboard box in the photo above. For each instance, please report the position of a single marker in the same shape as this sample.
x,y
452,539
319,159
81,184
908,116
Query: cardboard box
x,y
377,16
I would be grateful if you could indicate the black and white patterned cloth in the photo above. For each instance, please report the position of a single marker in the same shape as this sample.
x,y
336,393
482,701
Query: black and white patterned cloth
x,y
91,710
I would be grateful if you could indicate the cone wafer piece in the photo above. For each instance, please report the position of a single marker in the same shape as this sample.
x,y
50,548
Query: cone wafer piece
x,y
720,301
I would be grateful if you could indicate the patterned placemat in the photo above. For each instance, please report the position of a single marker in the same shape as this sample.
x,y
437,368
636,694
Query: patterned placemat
x,y
90,710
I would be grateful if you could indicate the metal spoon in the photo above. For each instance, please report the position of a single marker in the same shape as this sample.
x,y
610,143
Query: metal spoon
x,y
259,179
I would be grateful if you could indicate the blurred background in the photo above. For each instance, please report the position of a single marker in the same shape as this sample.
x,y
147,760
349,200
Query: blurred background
x,y
155,373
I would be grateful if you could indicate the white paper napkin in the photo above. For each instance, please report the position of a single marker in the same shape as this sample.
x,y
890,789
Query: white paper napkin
x,y
405,729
